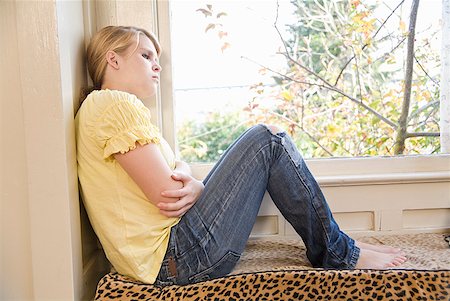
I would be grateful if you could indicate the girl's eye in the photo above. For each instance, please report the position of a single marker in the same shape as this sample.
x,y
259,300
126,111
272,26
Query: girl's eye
x,y
145,56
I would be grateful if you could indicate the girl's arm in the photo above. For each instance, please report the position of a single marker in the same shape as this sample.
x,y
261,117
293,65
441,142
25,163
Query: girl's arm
x,y
174,193
149,170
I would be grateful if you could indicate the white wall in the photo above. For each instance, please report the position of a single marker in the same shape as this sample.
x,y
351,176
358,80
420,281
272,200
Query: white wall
x,y
41,46
16,281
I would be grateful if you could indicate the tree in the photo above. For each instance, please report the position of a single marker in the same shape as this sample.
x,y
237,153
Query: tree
x,y
344,91
334,90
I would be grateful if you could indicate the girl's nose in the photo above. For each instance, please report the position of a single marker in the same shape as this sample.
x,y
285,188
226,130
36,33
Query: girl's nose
x,y
156,67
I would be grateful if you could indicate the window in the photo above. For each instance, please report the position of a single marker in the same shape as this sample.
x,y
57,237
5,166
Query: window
x,y
368,186
344,99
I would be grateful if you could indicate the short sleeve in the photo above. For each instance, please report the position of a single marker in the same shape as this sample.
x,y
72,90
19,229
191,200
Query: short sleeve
x,y
122,125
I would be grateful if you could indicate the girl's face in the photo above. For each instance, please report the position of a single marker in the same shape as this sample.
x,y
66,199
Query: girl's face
x,y
140,69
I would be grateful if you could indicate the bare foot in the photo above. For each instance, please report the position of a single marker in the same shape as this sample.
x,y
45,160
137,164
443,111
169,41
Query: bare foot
x,y
378,248
370,259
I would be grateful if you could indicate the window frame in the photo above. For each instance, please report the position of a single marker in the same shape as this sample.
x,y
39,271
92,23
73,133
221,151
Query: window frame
x,y
329,172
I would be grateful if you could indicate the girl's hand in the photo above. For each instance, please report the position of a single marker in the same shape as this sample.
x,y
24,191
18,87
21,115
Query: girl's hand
x,y
185,197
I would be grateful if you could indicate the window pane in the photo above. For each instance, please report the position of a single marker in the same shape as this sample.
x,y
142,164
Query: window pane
x,y
332,73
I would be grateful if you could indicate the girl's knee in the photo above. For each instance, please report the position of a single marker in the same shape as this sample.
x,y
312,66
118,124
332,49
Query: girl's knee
x,y
274,129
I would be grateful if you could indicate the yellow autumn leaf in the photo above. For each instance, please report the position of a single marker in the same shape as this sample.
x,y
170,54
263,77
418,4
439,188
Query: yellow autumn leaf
x,y
332,130
390,93
426,95
418,97
357,19
402,26
287,95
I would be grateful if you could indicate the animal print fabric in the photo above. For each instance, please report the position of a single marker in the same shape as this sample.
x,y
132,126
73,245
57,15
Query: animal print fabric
x,y
278,270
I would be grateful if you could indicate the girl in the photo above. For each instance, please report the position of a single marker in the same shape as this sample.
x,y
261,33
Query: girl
x,y
155,221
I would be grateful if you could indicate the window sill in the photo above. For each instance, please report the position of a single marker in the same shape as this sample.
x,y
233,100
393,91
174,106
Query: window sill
x,y
370,170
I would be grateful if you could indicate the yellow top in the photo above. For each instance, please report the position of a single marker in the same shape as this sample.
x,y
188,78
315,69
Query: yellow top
x,y
131,230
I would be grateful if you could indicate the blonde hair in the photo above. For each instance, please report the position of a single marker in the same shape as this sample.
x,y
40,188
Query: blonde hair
x,y
111,38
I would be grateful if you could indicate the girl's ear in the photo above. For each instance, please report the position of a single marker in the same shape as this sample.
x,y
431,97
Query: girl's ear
x,y
111,58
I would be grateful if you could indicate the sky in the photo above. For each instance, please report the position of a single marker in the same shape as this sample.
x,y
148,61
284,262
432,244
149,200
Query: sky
x,y
199,63
255,39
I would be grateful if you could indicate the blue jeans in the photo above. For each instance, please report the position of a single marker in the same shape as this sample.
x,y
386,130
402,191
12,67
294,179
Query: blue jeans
x,y
211,236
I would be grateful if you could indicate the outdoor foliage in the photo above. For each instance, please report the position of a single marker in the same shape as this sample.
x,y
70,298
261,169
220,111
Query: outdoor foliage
x,y
342,92
206,141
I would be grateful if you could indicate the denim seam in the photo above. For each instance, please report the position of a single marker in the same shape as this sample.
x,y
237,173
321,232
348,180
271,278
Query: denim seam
x,y
280,142
300,178
354,257
208,235
313,196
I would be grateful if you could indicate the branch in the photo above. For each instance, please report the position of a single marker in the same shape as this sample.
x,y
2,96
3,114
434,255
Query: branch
x,y
422,134
390,15
367,44
426,73
357,73
327,85
357,101
308,70
332,88
392,50
402,122
420,110
278,31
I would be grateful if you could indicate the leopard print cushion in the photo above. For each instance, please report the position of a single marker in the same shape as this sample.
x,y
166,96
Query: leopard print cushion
x,y
291,285
277,269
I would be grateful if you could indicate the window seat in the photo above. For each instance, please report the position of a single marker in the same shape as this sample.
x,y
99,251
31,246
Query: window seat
x,y
277,269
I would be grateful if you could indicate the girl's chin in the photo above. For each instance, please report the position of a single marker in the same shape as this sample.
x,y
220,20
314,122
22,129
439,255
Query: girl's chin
x,y
147,95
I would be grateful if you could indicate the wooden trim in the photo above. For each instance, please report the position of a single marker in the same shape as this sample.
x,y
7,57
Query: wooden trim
x,y
384,179
166,86
94,269
350,171
48,84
